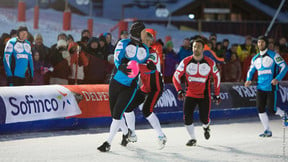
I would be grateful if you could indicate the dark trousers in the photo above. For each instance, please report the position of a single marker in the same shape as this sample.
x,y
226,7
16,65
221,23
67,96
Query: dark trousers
x,y
266,98
189,108
120,97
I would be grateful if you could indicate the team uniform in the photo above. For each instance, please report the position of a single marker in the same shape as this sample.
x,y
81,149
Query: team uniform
x,y
152,83
122,89
149,93
17,59
197,76
269,66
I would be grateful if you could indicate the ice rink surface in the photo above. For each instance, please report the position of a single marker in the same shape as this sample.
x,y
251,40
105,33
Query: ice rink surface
x,y
231,140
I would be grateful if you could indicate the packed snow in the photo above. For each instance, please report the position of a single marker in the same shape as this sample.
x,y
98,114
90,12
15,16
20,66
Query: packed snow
x,y
231,140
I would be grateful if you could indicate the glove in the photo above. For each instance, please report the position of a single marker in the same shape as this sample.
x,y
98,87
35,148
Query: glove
x,y
123,67
151,65
217,100
124,61
181,95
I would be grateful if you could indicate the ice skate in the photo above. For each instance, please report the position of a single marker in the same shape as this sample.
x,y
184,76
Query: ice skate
x,y
132,138
191,142
162,141
125,138
105,147
207,133
267,133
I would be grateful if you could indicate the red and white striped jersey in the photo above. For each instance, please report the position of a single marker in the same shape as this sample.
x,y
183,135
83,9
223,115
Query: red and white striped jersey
x,y
197,76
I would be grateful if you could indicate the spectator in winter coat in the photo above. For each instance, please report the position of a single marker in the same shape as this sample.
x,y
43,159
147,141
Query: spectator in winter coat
x,y
171,62
231,51
108,37
77,63
185,50
60,60
95,72
246,49
41,49
13,33
38,69
103,47
70,39
231,71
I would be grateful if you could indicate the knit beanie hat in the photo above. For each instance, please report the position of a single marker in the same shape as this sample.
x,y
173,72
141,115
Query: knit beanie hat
x,y
169,44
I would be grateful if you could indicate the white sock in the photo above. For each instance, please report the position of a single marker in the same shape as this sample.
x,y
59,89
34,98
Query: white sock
x,y
130,120
191,131
264,120
114,127
154,122
206,125
123,126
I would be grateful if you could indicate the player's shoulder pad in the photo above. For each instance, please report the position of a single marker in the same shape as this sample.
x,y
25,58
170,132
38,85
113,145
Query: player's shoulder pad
x,y
255,57
122,43
26,41
12,40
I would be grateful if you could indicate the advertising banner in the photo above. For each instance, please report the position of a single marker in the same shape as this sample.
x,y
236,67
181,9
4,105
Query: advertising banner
x,y
93,100
29,103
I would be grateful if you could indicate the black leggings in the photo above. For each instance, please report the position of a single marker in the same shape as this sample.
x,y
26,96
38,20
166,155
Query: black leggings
x,y
150,99
120,97
190,105
264,99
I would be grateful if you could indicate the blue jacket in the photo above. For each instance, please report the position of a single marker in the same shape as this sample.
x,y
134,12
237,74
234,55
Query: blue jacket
x,y
269,66
126,49
183,53
18,58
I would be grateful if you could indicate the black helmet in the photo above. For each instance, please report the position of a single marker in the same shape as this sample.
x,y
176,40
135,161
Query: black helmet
x,y
21,28
262,37
136,29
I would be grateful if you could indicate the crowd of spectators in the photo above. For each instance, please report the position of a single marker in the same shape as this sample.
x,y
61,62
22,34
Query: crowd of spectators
x,y
90,60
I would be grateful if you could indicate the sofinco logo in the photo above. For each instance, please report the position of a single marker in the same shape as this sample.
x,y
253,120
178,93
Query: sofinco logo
x,y
33,105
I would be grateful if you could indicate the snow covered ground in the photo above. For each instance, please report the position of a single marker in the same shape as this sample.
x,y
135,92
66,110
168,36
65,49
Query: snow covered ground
x,y
231,140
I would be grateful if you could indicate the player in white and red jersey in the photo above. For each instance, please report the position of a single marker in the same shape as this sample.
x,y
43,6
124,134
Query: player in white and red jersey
x,y
149,93
198,70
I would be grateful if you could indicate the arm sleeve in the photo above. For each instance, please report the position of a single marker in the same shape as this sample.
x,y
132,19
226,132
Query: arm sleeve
x,y
282,65
177,76
8,51
119,53
216,78
251,71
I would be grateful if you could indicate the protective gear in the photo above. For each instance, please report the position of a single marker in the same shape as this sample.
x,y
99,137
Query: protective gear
x,y
136,29
21,28
181,95
262,37
151,65
123,67
217,99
